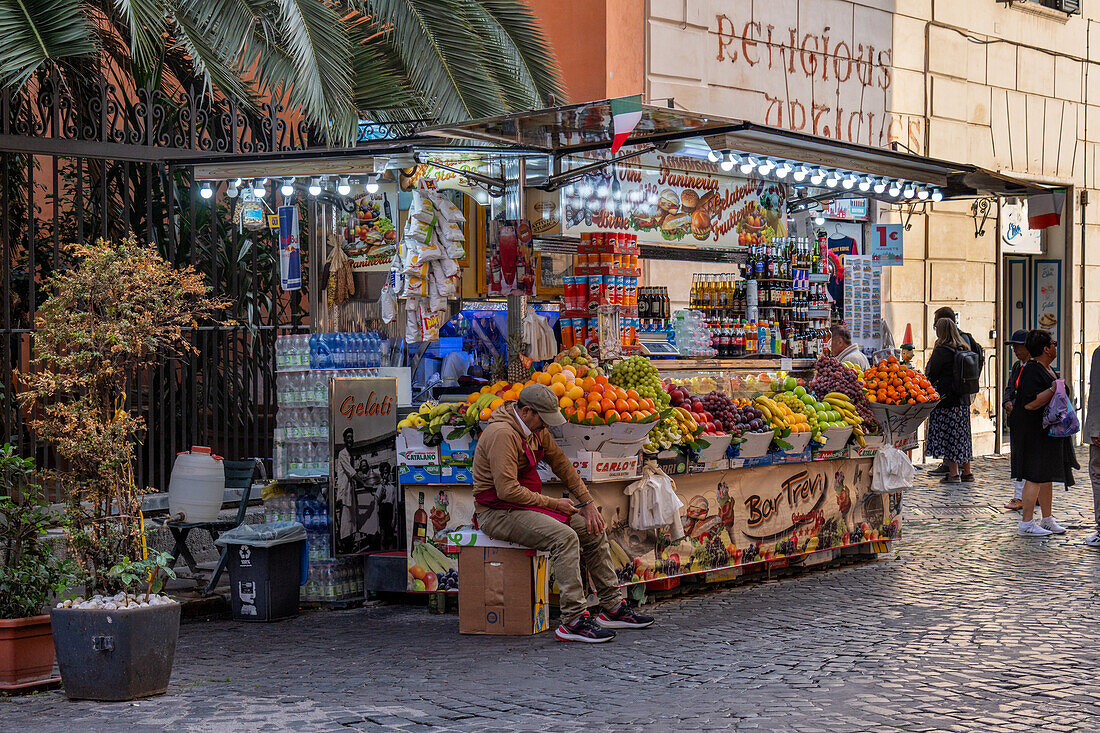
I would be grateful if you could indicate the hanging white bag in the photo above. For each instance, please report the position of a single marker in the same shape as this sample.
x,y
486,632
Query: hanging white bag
x,y
892,471
654,503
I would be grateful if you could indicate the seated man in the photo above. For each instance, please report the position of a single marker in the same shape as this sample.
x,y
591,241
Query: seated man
x,y
512,507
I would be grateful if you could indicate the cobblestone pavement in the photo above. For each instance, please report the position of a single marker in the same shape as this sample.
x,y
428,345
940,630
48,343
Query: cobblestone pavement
x,y
964,627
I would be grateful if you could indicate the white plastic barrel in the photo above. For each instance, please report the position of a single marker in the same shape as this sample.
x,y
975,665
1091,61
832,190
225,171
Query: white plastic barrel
x,y
197,485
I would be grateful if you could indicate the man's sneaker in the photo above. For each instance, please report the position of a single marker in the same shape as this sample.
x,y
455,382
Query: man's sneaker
x,y
624,617
1051,526
1093,540
1032,529
584,629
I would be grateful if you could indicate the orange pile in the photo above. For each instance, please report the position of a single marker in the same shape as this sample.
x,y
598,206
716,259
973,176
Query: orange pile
x,y
892,383
592,400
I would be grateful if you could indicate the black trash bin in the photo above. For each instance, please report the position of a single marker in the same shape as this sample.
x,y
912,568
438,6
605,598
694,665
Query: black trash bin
x,y
265,570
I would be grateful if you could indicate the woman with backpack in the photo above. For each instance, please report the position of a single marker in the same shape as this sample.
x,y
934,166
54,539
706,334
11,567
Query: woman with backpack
x,y
1040,459
949,423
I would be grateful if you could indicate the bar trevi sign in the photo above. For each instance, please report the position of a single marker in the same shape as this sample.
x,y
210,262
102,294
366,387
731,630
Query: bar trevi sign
x,y
1016,237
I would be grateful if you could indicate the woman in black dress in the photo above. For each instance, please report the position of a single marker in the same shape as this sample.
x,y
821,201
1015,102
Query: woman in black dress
x,y
1041,459
949,423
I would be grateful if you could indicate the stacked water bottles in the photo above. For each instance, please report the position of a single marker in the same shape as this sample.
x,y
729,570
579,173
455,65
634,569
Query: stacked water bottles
x,y
305,363
328,578
691,334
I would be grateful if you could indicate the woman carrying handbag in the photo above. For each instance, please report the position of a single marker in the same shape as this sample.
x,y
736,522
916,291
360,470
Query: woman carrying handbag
x,y
1041,459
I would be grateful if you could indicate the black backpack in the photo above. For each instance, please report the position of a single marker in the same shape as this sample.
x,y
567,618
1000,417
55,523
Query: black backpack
x,y
967,372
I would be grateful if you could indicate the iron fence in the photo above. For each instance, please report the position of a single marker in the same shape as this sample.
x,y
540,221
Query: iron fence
x,y
77,164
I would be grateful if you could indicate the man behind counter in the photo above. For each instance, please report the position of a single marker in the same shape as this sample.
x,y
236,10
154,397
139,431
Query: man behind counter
x,y
512,507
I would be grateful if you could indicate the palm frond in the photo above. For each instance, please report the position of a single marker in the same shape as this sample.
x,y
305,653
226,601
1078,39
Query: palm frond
x,y
510,79
315,38
146,21
441,52
34,33
529,47
217,69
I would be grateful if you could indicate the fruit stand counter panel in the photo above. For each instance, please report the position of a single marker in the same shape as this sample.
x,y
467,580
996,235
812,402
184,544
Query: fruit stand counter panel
x,y
734,519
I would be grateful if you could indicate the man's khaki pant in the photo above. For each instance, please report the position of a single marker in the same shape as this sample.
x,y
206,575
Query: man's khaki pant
x,y
567,544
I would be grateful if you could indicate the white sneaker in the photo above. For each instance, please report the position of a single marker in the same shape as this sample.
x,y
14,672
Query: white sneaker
x,y
1048,523
1093,540
1032,529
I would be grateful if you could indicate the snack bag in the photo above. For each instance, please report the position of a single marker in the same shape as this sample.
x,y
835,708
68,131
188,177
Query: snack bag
x,y
412,321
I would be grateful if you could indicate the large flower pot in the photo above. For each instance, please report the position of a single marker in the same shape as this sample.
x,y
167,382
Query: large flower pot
x,y
115,655
26,652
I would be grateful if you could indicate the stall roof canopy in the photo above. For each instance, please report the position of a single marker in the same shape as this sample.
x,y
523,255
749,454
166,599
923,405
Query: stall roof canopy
x,y
582,128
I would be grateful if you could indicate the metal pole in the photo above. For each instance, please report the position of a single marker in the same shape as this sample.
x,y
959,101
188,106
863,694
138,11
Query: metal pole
x,y
517,304
998,327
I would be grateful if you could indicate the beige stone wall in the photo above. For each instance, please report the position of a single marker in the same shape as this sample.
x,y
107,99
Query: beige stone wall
x,y
1015,90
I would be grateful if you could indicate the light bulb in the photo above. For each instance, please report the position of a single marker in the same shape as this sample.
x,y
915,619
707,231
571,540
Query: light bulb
x,y
766,167
848,182
315,187
800,173
231,190
832,179
258,189
895,188
206,191
783,169
726,165
937,195
748,164
713,156
372,184
865,184
819,220
343,187
880,185
909,191
287,189
817,177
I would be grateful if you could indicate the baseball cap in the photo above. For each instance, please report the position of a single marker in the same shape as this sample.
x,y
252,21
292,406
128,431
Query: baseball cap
x,y
542,400
1019,336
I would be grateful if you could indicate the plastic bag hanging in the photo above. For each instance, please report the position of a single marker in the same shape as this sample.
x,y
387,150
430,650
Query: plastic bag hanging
x,y
1060,418
892,471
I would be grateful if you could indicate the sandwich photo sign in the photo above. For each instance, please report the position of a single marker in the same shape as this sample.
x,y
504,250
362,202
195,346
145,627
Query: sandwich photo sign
x,y
676,199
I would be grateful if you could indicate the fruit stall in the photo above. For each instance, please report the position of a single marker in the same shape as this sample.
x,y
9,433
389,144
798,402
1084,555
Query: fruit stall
x,y
773,467
446,276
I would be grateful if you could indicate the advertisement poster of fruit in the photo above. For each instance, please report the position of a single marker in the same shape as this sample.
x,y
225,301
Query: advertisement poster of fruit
x,y
433,512
365,502
370,228
675,199
746,516
511,258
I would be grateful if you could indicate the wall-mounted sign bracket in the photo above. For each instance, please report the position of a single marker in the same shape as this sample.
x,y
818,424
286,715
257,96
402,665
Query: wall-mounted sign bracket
x,y
979,210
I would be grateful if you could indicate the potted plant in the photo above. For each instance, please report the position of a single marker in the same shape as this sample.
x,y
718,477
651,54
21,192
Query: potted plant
x,y
115,311
29,574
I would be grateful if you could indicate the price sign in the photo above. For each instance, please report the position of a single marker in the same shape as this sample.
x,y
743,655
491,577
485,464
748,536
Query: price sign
x,y
886,249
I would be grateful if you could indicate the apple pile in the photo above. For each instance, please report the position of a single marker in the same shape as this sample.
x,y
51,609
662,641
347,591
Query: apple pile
x,y
680,397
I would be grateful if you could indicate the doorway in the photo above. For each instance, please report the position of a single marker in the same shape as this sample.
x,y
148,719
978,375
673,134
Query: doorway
x,y
1018,305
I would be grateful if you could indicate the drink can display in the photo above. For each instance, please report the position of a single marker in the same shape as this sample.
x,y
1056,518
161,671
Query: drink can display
x,y
597,292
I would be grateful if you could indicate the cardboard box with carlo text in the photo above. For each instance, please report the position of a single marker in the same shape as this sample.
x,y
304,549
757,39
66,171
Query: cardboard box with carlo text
x,y
505,591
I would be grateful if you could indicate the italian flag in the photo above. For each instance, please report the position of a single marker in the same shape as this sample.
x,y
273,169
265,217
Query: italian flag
x,y
1045,209
626,113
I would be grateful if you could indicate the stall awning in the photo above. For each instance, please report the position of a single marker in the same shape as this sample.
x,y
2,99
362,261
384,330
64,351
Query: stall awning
x,y
583,128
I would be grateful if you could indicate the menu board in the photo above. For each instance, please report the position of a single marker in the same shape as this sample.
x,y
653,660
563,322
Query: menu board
x,y
676,199
1048,296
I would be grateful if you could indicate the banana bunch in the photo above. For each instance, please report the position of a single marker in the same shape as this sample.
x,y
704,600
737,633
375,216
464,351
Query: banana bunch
x,y
479,404
687,424
773,413
847,410
618,554
427,556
